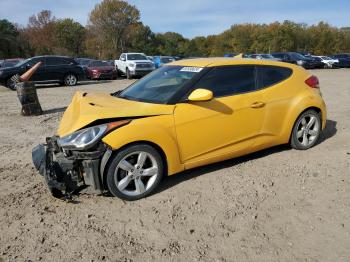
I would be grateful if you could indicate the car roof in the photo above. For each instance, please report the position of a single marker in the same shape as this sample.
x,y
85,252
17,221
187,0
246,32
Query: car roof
x,y
58,56
223,61
12,59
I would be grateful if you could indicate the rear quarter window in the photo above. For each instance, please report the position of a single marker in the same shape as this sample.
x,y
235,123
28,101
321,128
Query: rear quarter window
x,y
271,75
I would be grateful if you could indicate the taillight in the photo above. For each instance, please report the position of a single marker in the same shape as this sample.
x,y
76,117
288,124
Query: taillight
x,y
312,82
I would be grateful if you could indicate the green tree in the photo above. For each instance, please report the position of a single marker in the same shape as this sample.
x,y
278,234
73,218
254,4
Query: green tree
x,y
140,38
109,22
171,43
9,45
70,36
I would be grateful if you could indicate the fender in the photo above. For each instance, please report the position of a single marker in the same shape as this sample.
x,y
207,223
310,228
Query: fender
x,y
159,130
299,105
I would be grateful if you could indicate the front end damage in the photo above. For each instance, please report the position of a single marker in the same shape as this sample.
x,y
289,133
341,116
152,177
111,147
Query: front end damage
x,y
66,172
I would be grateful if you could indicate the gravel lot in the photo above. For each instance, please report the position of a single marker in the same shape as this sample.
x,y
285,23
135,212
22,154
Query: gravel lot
x,y
275,205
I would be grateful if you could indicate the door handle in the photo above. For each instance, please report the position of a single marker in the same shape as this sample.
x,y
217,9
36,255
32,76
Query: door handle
x,y
257,104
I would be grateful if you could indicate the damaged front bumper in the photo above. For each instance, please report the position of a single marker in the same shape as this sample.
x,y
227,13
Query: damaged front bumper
x,y
68,172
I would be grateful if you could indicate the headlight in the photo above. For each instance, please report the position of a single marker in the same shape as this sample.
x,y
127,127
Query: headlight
x,y
131,65
300,62
88,137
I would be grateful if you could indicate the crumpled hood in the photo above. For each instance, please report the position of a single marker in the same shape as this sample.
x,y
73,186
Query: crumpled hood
x,y
86,108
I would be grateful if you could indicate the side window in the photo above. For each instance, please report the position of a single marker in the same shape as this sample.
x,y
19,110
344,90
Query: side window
x,y
52,61
122,56
33,61
66,61
271,75
229,80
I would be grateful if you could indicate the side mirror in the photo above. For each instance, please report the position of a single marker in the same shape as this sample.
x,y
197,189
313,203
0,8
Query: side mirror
x,y
201,95
122,59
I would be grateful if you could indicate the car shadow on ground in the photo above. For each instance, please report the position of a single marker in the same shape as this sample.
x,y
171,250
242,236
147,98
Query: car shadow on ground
x,y
329,131
54,110
170,181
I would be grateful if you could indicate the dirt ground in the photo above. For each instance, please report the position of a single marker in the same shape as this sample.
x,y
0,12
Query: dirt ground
x,y
275,205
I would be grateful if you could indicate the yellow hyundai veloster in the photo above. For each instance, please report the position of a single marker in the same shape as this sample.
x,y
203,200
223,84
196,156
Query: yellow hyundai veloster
x,y
183,115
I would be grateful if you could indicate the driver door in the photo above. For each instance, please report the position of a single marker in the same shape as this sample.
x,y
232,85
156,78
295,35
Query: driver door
x,y
225,126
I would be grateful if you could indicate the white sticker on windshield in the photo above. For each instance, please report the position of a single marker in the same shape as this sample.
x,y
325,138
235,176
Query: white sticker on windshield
x,y
192,69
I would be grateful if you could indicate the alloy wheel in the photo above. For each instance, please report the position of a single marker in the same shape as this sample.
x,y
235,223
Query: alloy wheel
x,y
136,173
71,80
308,130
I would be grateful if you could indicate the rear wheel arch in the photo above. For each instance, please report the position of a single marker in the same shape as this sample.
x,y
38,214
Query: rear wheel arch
x,y
314,108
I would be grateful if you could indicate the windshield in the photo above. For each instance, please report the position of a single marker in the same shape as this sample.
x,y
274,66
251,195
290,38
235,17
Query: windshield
x,y
298,56
160,85
166,60
23,62
136,57
267,56
99,63
83,61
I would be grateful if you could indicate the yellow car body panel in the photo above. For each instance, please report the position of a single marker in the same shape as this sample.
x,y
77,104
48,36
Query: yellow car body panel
x,y
192,133
87,107
158,130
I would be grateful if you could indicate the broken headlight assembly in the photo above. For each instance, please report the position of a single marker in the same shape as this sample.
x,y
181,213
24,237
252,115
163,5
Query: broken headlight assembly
x,y
88,137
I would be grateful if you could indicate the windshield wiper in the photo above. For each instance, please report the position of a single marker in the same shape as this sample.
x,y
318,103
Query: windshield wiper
x,y
116,93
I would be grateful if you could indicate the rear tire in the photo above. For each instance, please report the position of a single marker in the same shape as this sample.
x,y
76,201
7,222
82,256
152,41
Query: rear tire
x,y
70,80
306,130
135,172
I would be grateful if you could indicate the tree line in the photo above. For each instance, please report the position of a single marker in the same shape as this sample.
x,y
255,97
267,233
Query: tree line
x,y
114,27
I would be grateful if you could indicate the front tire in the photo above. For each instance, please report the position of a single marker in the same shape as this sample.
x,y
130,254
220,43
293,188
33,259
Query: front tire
x,y
135,172
11,84
306,130
70,80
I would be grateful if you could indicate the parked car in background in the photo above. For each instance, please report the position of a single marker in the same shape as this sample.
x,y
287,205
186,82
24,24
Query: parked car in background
x,y
343,60
84,61
1,61
134,64
298,59
11,62
177,58
318,63
328,61
264,57
230,55
161,60
54,69
101,70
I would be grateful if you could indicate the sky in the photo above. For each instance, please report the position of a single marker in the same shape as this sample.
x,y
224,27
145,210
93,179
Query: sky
x,y
192,17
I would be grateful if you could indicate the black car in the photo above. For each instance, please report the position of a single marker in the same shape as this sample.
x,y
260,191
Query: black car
x,y
343,60
298,59
317,61
54,69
